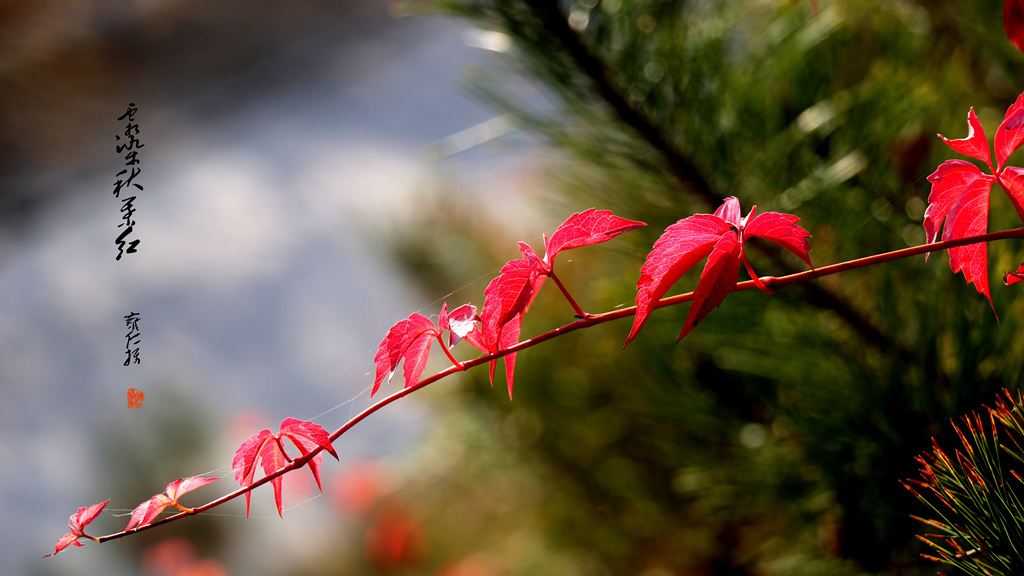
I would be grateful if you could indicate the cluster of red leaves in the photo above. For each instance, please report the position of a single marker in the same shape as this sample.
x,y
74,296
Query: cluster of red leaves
x,y
177,557
719,237
268,447
360,487
148,511
411,338
506,299
394,539
959,200
77,526
264,446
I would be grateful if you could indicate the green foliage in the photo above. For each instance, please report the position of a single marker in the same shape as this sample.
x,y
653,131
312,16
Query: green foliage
x,y
982,518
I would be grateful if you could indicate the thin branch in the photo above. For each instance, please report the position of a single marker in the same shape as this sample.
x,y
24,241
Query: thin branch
x,y
448,353
572,302
585,322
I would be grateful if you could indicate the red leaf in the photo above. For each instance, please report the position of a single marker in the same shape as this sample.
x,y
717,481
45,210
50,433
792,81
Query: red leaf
x,y
244,462
306,436
404,339
268,448
1013,22
509,293
720,236
584,228
183,486
508,297
416,356
509,338
63,542
975,144
491,337
459,323
1014,277
519,281
84,516
537,263
959,200
716,280
273,459
1010,133
308,433
682,245
77,524
781,229
730,211
951,180
959,203
148,511
969,217
410,339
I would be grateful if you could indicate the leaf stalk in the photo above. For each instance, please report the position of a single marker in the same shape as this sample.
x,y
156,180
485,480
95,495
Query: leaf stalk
x,y
576,307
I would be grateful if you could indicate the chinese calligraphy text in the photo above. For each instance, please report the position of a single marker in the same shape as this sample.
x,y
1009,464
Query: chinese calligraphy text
x,y
133,337
126,179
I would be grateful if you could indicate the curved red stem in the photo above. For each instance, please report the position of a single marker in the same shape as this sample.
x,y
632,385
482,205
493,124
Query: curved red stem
x,y
584,322
576,307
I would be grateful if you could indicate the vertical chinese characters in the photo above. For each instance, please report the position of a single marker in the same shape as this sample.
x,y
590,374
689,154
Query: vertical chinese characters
x,y
133,337
131,145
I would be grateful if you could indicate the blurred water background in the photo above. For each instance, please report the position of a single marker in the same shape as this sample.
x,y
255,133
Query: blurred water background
x,y
280,139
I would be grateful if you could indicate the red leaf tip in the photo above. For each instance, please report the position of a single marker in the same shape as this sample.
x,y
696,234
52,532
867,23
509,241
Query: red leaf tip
x,y
77,524
591,226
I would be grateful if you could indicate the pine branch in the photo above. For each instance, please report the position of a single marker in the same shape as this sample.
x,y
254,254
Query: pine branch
x,y
981,517
686,171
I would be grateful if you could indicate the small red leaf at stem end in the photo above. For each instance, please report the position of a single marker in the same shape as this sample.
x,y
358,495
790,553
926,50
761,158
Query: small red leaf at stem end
x,y
1014,277
77,523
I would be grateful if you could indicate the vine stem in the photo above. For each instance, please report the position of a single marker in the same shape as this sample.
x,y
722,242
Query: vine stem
x,y
448,353
585,322
576,307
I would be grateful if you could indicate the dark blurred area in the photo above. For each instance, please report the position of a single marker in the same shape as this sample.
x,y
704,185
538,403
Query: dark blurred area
x,y
69,68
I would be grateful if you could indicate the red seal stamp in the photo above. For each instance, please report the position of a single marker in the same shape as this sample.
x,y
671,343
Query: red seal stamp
x,y
135,398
